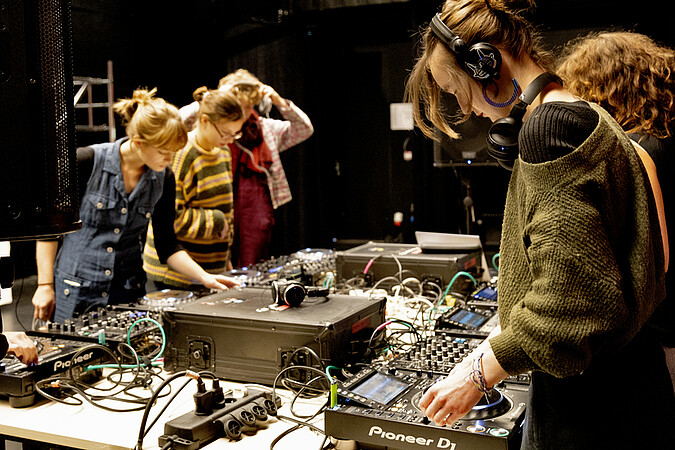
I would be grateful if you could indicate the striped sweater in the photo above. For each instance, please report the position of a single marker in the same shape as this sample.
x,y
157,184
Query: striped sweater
x,y
204,208
279,135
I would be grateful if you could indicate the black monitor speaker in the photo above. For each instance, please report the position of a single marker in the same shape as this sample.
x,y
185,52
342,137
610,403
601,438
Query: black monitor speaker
x,y
471,148
38,168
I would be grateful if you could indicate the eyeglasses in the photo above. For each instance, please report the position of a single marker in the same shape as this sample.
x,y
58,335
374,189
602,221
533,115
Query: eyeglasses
x,y
227,134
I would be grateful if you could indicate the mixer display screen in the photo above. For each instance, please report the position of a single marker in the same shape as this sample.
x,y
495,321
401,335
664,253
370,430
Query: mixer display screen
x,y
468,318
381,388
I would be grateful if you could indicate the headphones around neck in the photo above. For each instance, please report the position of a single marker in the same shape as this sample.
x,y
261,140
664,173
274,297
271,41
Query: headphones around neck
x,y
293,293
480,60
502,138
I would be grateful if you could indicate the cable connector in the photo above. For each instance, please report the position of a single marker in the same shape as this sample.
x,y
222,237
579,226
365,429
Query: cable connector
x,y
333,394
218,396
177,443
203,399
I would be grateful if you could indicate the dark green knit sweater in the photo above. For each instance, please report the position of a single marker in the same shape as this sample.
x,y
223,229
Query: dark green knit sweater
x,y
581,258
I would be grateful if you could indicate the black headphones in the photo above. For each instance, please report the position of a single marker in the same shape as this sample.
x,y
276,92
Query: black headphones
x,y
502,138
480,60
293,293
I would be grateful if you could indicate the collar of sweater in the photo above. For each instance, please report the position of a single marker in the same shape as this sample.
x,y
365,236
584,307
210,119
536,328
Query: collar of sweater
x,y
192,138
601,146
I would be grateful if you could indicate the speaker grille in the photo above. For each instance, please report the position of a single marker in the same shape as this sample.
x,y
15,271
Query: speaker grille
x,y
39,189
57,99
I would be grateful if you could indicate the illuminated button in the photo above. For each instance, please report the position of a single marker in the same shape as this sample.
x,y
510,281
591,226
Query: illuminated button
x,y
499,432
476,429
109,249
124,210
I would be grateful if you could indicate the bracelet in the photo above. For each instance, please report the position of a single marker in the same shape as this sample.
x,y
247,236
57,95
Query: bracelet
x,y
46,284
477,376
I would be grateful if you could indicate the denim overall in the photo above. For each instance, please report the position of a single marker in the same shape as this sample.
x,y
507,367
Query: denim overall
x,y
102,262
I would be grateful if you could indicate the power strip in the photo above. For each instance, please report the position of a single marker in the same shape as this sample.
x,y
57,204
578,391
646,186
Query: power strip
x,y
232,417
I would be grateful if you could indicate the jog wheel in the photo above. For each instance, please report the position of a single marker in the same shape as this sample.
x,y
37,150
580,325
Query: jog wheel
x,y
492,404
167,298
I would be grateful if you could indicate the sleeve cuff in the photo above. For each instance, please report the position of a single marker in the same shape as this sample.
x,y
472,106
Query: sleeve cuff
x,y
509,354
4,345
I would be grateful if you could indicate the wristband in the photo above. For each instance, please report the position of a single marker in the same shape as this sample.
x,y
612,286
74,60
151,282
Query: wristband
x,y
477,376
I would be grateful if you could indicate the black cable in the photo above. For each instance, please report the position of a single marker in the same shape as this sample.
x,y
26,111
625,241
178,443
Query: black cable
x,y
298,425
16,307
146,412
159,414
142,430
297,396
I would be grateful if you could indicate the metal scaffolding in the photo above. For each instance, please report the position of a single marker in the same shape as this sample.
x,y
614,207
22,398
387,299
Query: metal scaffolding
x,y
86,84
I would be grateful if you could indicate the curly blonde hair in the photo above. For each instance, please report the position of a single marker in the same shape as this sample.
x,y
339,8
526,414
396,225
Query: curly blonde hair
x,y
628,74
244,85
152,120
497,22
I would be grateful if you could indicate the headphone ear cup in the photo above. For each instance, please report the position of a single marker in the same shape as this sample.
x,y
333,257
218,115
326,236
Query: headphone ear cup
x,y
275,291
502,141
291,294
483,61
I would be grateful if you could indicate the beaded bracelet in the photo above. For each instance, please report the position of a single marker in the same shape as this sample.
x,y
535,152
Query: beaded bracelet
x,y
477,377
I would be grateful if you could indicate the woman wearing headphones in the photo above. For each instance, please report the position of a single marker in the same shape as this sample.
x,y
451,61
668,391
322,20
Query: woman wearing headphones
x,y
580,270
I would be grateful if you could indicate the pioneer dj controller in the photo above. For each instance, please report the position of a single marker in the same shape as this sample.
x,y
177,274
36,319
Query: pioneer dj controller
x,y
55,356
306,266
104,325
379,406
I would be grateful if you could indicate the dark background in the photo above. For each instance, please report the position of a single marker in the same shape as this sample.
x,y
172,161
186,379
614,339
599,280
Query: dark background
x,y
343,62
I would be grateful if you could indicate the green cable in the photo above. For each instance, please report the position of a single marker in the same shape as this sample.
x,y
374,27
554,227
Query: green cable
x,y
161,330
467,274
131,366
328,370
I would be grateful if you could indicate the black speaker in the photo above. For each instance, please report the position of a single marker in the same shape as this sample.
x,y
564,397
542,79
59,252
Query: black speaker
x,y
38,173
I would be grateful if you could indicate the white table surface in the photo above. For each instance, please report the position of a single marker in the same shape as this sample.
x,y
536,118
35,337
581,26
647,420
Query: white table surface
x,y
89,427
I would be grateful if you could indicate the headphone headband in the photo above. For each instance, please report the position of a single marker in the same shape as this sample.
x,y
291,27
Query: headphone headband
x,y
531,92
502,138
450,39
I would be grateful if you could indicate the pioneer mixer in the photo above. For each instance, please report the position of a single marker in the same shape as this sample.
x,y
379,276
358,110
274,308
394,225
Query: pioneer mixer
x,y
55,356
379,406
111,326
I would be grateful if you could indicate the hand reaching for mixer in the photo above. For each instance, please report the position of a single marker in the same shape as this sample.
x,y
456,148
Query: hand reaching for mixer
x,y
453,397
